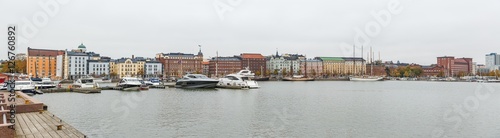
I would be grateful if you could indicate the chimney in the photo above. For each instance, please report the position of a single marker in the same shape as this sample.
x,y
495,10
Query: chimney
x,y
133,57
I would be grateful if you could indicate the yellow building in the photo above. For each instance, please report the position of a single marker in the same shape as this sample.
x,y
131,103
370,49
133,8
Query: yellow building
x,y
343,65
127,67
45,63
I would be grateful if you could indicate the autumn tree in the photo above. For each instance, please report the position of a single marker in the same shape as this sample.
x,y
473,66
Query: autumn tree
x,y
258,73
140,73
314,72
268,72
284,72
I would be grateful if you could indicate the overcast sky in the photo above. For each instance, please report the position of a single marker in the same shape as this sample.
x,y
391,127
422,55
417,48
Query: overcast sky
x,y
418,31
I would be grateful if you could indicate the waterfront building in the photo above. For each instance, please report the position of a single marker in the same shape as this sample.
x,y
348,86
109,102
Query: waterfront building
x,y
492,61
287,64
43,63
455,66
332,65
220,66
379,69
206,67
314,67
132,67
432,71
255,62
153,69
354,66
343,66
99,67
177,64
77,65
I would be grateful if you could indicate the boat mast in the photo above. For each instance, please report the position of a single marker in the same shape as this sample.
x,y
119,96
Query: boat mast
x,y
362,70
354,61
371,68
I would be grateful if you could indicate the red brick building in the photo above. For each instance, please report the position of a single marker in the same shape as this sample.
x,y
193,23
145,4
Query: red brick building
x,y
177,64
255,62
432,70
220,66
454,66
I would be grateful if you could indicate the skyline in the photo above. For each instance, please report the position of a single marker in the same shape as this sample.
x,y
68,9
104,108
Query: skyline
x,y
418,32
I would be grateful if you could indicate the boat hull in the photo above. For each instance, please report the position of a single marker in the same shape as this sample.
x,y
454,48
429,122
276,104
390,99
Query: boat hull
x,y
366,79
298,79
196,84
261,79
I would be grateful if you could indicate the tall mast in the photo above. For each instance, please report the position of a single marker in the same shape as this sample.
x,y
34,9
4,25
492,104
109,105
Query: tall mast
x,y
362,70
371,68
216,64
354,61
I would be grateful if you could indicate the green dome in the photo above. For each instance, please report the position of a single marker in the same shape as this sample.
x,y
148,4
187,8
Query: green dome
x,y
81,46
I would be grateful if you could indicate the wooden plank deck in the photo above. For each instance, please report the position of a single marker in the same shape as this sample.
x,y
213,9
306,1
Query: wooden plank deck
x,y
36,125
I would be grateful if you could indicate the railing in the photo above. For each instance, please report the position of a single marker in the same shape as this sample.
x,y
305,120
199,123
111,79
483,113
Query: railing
x,y
3,112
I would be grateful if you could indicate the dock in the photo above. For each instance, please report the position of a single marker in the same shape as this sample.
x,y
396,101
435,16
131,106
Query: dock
x,y
44,124
77,90
33,120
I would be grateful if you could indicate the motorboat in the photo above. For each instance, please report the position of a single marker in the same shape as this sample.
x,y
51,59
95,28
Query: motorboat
x,y
153,82
26,86
493,81
129,82
43,83
236,81
196,81
144,85
85,83
298,78
369,78
103,80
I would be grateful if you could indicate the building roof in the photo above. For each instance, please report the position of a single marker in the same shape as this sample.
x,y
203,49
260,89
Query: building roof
x,y
225,59
81,46
102,60
44,52
353,59
251,55
330,58
178,55
70,53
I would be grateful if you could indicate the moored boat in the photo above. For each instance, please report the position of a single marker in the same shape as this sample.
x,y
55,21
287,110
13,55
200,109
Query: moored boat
x,y
196,81
236,81
370,78
129,82
298,78
87,82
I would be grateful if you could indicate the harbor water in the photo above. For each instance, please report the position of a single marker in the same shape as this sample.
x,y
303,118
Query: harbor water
x,y
288,109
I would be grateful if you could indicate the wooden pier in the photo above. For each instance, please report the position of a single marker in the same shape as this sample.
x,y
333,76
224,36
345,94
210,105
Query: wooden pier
x,y
77,90
33,121
44,124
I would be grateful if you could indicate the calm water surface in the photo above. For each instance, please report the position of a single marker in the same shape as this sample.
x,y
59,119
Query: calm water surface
x,y
288,109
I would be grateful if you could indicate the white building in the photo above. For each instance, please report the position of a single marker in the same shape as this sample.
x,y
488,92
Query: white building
x,y
492,61
98,67
153,69
77,65
285,62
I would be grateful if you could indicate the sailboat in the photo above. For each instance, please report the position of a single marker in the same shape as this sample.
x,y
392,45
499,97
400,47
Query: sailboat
x,y
362,77
299,77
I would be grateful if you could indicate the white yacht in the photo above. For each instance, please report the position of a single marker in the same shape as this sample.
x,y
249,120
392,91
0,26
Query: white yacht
x,y
153,81
85,83
237,81
369,78
43,83
129,82
196,81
